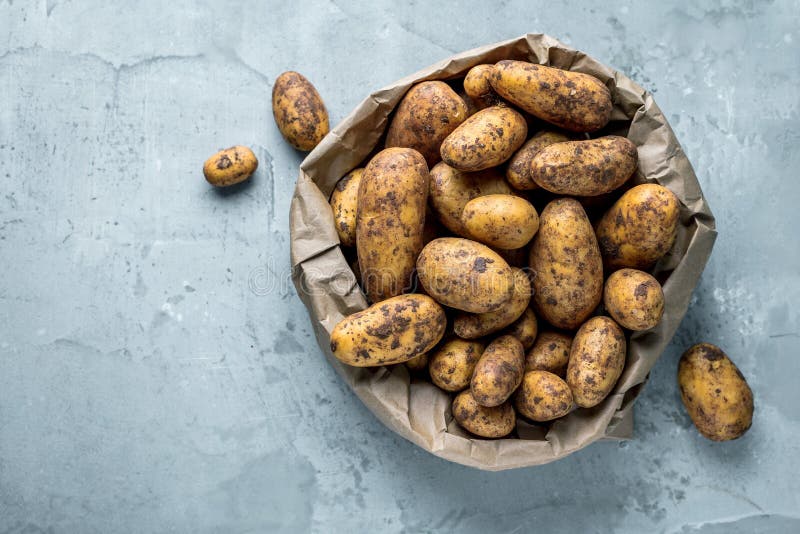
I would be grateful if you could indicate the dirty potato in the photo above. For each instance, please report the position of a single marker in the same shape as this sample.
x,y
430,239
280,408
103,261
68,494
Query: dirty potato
x,y
484,140
465,275
596,360
518,172
501,221
499,371
475,325
230,166
299,111
566,263
344,202
494,422
715,393
525,329
639,228
585,168
451,364
543,396
417,364
571,100
390,221
392,331
478,86
427,114
634,299
550,353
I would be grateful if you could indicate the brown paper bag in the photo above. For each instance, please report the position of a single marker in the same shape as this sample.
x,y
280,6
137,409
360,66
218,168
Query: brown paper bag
x,y
418,410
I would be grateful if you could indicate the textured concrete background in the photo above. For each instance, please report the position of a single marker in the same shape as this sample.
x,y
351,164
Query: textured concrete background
x,y
157,371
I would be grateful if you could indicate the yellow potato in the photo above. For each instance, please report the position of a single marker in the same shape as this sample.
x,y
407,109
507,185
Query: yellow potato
x,y
571,100
344,202
230,166
418,363
566,264
465,275
494,422
427,114
484,140
299,111
499,371
475,325
392,331
390,221
550,353
715,393
543,396
518,172
634,299
452,364
478,86
525,329
596,360
502,221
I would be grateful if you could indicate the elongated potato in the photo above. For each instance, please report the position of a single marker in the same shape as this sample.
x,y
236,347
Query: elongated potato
x,y
451,365
585,168
475,325
502,221
715,393
230,166
427,114
550,353
566,263
299,111
639,228
518,172
525,329
499,371
494,422
634,299
478,86
393,331
543,396
484,140
571,100
390,221
465,275
344,202
596,360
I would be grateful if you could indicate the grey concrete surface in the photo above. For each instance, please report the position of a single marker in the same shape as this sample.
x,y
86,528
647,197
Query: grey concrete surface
x,y
157,371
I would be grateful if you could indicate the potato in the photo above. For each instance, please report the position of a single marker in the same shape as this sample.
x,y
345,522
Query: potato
x,y
451,190
566,263
502,221
518,172
390,221
230,166
464,275
550,353
571,100
639,228
585,168
451,365
478,86
344,202
494,422
392,331
596,360
418,363
634,299
475,325
427,114
484,140
543,396
299,111
499,371
715,393
525,329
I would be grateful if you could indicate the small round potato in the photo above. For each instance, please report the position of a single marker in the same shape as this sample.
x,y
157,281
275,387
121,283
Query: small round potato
x,y
550,353
715,393
486,139
596,360
344,202
499,371
494,422
525,329
451,365
543,396
418,363
478,86
634,299
475,325
518,172
501,221
299,111
230,166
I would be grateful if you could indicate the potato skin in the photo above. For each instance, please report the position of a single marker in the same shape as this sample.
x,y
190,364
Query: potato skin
x,y
525,329
585,168
494,422
639,228
715,393
543,396
392,331
230,166
501,221
418,363
484,140
465,275
518,172
478,86
596,360
566,262
499,371
475,325
452,363
550,353
299,111
571,100
427,114
390,221
634,299
344,203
